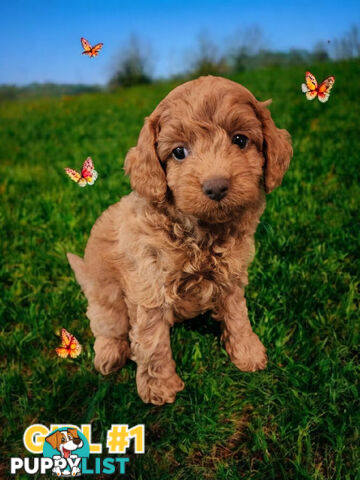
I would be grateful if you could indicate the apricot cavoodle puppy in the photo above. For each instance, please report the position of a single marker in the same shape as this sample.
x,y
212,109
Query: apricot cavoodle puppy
x,y
181,242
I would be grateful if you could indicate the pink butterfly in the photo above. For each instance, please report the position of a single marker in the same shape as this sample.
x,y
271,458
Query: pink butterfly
x,y
87,176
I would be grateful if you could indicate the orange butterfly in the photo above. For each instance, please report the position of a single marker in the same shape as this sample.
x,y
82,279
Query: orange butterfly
x,y
87,176
88,49
313,90
69,345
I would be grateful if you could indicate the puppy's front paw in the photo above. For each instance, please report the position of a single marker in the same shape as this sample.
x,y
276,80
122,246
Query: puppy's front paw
x,y
158,390
75,471
247,353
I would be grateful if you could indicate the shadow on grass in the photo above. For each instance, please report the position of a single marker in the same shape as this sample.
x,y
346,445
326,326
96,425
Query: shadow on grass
x,y
203,324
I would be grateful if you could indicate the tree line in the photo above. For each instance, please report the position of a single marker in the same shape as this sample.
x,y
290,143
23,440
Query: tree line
x,y
248,51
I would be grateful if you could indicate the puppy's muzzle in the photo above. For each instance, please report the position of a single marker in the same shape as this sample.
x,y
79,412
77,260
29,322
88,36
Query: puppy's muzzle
x,y
216,188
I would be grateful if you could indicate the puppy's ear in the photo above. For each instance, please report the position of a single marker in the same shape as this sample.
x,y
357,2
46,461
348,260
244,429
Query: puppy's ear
x,y
73,432
277,148
143,165
53,440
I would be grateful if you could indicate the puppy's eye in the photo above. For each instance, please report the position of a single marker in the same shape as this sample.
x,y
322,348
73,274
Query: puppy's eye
x,y
240,140
179,153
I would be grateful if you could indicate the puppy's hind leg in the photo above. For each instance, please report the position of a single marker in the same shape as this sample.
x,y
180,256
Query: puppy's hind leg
x,y
108,317
110,324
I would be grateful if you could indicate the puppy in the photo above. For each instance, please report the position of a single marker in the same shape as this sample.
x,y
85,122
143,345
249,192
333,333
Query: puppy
x,y
65,441
180,244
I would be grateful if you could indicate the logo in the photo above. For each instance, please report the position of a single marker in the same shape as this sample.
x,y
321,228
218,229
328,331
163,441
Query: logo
x,y
67,447
68,451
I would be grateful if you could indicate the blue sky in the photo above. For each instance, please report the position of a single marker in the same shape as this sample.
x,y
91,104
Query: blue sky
x,y
42,38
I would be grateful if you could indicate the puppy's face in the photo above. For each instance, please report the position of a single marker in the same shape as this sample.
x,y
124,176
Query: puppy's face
x,y
210,143
65,441
213,146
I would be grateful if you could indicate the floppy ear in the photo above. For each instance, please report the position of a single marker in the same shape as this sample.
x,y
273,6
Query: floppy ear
x,y
73,432
53,439
277,149
143,165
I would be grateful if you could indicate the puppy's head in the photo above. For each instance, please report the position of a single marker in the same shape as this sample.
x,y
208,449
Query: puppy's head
x,y
65,441
209,147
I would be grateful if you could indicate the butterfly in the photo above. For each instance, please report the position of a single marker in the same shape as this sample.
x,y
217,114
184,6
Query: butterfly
x,y
88,49
313,90
87,176
69,345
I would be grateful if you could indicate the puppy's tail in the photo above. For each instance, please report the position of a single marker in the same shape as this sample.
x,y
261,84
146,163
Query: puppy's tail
x,y
78,265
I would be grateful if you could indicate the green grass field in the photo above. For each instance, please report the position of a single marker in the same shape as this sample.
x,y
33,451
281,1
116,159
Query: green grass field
x,y
298,419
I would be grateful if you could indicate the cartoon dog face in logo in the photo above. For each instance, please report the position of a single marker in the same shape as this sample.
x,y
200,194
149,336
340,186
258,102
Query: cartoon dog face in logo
x,y
65,441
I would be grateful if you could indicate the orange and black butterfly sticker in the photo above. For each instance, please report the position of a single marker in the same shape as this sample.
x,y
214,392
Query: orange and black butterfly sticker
x,y
88,49
70,347
313,90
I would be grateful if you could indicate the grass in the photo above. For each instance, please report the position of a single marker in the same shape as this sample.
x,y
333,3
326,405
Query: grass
x,y
298,419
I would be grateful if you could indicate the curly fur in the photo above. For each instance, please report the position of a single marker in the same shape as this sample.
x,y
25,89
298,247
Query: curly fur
x,y
168,252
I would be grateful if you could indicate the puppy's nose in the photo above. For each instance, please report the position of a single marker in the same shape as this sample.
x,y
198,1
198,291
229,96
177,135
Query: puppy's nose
x,y
77,441
216,188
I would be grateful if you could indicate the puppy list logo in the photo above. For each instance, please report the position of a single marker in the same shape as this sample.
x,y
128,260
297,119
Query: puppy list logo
x,y
66,450
61,445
